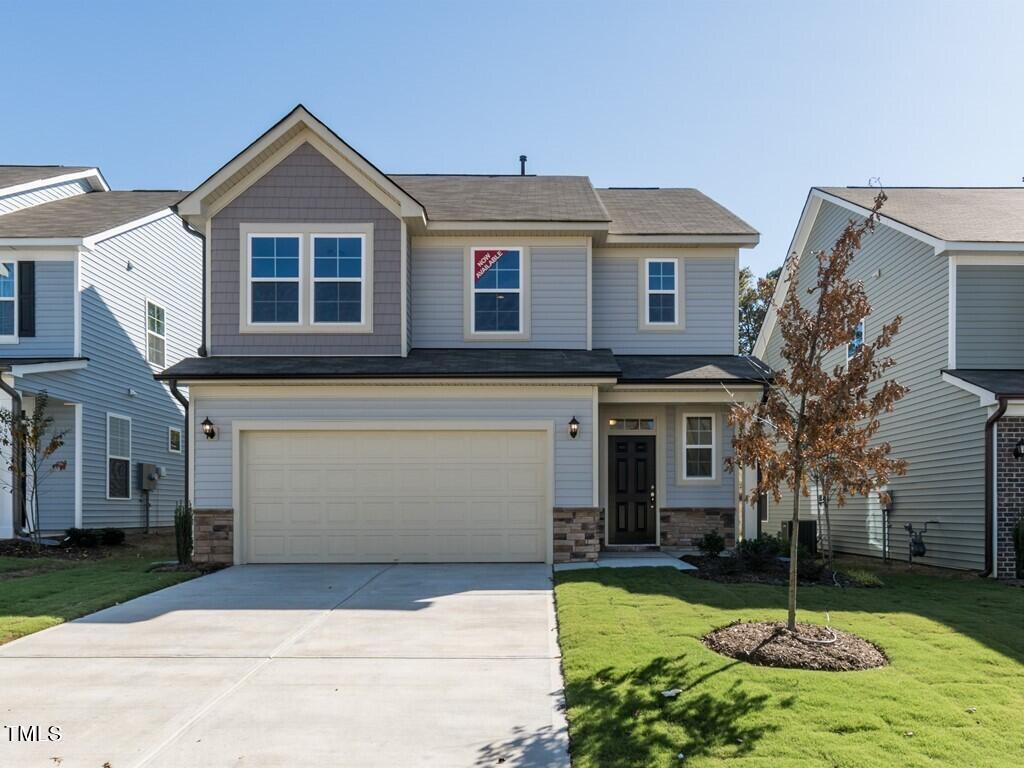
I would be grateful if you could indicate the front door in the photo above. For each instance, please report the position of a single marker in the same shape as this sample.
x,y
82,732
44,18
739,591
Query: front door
x,y
631,491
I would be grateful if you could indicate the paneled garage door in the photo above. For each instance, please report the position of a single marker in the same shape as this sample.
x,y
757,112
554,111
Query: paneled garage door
x,y
394,496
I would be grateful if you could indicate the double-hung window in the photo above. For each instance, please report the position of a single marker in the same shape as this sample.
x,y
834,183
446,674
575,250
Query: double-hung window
x,y
119,456
497,291
698,446
173,440
661,305
274,279
156,341
856,342
338,287
8,300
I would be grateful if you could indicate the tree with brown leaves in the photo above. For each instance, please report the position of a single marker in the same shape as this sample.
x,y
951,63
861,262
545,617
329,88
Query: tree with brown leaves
x,y
819,424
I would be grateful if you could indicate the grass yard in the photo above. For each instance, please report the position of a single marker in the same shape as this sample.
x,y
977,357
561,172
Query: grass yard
x,y
952,696
36,593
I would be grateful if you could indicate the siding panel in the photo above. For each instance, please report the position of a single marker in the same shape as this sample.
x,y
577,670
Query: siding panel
x,y
55,313
990,316
16,202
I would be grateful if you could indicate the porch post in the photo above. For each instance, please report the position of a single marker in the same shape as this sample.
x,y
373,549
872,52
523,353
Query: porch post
x,y
6,486
749,509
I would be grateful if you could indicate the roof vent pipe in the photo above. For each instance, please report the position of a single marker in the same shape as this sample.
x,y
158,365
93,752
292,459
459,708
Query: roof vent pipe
x,y
522,165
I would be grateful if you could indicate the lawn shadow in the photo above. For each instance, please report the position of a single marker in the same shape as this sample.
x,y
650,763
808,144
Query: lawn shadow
x,y
616,715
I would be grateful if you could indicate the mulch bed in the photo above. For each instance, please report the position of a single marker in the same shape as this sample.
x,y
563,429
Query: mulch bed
x,y
20,548
770,644
724,570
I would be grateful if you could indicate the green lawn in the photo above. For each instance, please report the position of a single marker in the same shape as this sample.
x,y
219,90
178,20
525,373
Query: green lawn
x,y
955,644
36,593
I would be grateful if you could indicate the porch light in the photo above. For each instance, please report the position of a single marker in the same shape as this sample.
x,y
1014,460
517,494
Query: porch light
x,y
1018,450
208,429
574,428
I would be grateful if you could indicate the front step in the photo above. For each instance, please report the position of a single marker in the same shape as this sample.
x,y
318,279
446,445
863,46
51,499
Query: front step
x,y
630,548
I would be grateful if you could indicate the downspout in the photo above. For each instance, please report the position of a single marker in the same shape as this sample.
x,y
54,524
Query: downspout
x,y
193,231
185,435
18,495
990,500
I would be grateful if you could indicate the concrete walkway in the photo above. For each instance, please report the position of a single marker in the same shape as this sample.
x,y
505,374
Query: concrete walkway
x,y
630,560
333,665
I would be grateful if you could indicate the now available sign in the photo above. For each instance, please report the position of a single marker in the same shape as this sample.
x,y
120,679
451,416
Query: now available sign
x,y
483,260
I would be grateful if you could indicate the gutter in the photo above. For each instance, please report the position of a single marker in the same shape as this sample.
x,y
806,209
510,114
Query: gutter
x,y
17,451
990,500
193,231
185,435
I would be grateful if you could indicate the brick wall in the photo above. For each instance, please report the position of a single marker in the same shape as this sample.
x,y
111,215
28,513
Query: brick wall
x,y
577,534
213,536
1009,493
681,526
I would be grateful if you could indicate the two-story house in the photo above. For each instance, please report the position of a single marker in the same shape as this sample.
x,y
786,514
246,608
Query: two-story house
x,y
98,289
456,368
950,261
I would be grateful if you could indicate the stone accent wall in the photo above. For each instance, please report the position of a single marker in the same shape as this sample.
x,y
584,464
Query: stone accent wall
x,y
1009,493
213,536
682,526
577,535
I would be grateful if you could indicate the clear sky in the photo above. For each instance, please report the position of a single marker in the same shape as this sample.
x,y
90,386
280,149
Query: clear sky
x,y
751,102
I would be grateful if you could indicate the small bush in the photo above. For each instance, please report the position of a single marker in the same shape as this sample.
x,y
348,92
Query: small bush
x,y
807,565
183,532
111,537
83,538
862,578
759,554
710,544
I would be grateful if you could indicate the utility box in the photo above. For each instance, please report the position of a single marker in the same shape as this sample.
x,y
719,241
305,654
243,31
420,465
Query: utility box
x,y
149,476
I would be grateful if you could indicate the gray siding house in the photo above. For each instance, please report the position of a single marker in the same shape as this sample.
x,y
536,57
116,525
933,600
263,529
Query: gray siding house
x,y
98,290
456,368
951,263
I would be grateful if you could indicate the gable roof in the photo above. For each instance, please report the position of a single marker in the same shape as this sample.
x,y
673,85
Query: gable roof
x,y
14,178
505,198
952,214
656,211
84,215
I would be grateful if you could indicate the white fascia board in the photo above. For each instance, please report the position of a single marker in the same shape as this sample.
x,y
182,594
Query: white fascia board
x,y
737,241
517,226
37,242
987,259
93,175
985,397
91,241
60,365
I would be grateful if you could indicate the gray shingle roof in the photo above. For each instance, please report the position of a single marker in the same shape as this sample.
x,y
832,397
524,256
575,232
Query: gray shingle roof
x,y
956,214
13,175
692,369
84,215
1005,382
669,212
504,198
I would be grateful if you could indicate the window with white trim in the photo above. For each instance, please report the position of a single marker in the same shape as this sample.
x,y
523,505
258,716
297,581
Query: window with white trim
x,y
173,440
274,279
661,306
856,342
338,287
699,447
9,299
497,285
119,456
156,341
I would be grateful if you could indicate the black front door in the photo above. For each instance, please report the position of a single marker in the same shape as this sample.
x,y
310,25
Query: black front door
x,y
631,492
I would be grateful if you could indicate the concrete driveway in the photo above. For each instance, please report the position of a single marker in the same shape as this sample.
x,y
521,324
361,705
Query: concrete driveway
x,y
278,665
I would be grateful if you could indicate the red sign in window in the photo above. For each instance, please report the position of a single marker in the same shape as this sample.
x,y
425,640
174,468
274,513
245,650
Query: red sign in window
x,y
483,261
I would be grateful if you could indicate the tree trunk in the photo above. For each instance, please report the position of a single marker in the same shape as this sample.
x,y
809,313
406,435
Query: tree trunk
x,y
828,535
794,536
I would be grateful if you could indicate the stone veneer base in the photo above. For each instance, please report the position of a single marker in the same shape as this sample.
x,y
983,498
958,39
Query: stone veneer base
x,y
213,539
577,534
682,526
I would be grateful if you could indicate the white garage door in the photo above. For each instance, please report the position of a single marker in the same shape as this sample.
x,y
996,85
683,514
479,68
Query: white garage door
x,y
394,496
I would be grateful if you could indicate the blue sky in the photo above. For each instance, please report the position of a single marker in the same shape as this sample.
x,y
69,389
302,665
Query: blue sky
x,y
752,102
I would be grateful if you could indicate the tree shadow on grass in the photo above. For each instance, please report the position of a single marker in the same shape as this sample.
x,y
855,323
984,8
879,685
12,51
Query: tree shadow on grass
x,y
622,718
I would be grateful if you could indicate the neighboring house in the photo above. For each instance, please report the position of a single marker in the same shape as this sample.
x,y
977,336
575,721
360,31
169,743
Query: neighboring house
x,y
98,289
951,262
456,368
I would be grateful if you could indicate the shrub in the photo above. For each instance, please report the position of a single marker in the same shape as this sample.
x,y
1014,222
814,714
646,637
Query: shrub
x,y
862,578
710,544
807,565
760,554
83,538
111,537
183,532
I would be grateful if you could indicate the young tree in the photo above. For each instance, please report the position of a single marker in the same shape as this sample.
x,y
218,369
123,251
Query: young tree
x,y
816,422
754,299
28,444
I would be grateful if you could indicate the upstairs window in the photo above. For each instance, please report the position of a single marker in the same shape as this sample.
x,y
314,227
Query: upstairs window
x,y
662,295
856,342
338,278
8,299
119,456
497,300
274,279
698,446
155,334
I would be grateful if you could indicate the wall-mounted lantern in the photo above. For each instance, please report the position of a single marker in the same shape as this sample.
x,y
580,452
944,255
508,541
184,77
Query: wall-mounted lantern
x,y
1018,450
574,428
208,429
